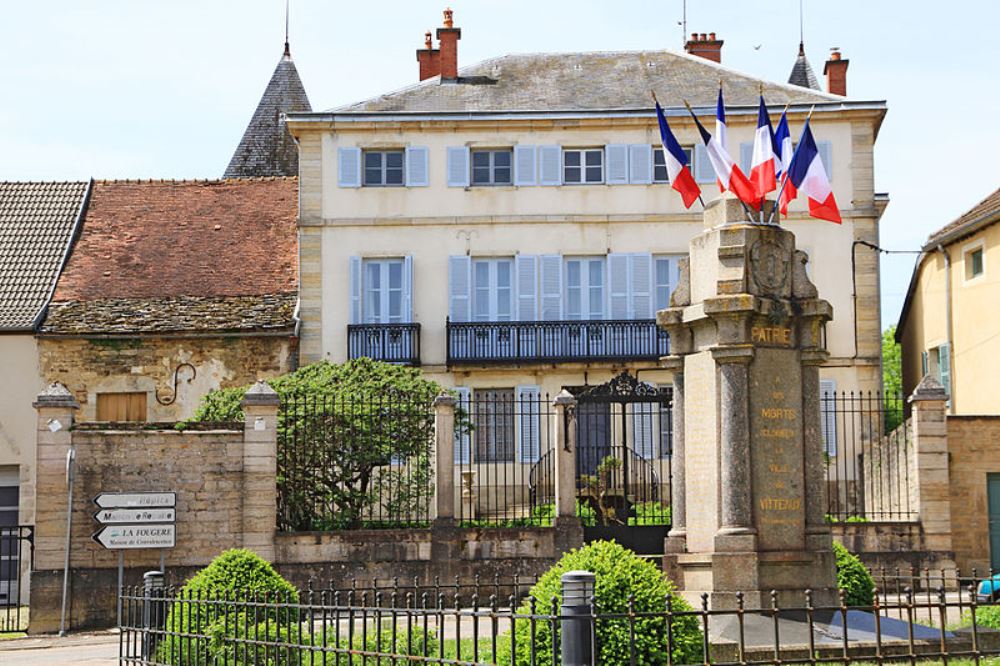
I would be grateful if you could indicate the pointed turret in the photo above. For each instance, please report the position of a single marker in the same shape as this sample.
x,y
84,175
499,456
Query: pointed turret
x,y
802,73
267,149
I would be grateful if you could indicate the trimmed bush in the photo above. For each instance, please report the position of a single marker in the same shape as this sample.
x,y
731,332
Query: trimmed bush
x,y
238,575
620,573
853,578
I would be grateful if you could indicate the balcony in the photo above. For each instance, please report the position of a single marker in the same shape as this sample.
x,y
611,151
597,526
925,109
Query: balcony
x,y
481,343
392,343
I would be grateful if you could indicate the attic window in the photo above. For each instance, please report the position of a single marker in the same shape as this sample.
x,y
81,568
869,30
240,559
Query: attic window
x,y
974,262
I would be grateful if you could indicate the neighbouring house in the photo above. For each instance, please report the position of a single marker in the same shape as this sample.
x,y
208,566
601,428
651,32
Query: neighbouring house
x,y
508,225
38,222
174,288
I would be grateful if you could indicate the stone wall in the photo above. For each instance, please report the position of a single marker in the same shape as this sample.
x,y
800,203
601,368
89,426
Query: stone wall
x,y
88,366
886,546
974,452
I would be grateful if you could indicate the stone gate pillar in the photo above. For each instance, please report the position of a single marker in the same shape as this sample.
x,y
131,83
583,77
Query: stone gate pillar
x,y
747,335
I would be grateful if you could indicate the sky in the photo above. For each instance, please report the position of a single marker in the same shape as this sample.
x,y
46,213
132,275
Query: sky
x,y
165,88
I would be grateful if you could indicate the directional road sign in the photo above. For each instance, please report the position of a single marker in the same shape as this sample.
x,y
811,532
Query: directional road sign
x,y
138,500
129,537
138,516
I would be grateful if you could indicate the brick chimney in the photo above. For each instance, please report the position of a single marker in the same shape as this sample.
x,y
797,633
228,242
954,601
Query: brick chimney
x,y
448,37
836,73
705,46
429,58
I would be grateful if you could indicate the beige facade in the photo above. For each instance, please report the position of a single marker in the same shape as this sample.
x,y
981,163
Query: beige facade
x,y
22,382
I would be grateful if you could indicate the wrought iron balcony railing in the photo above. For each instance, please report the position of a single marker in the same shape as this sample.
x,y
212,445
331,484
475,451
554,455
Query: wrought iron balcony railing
x,y
555,341
393,343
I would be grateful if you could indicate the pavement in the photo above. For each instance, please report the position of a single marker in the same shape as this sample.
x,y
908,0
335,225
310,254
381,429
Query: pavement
x,y
83,649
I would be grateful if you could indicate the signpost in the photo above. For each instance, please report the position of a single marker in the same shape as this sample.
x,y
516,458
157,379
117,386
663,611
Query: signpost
x,y
135,520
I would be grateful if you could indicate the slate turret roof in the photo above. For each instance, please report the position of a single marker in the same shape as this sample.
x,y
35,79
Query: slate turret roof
x,y
802,72
267,149
37,224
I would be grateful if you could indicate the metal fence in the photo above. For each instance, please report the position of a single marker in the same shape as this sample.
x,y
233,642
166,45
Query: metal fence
x,y
869,457
16,549
348,628
504,459
364,462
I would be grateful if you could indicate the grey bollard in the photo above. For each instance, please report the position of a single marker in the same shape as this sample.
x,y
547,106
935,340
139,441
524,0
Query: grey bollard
x,y
153,612
576,623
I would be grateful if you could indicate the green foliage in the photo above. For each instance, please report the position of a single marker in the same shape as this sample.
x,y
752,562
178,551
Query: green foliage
x,y
620,574
853,578
892,376
235,576
830,518
986,616
417,643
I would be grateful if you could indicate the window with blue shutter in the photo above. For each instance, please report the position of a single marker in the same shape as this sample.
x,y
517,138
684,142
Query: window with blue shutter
x,y
416,166
617,155
354,285
944,368
549,165
459,288
640,164
525,165
526,270
458,166
349,167
551,287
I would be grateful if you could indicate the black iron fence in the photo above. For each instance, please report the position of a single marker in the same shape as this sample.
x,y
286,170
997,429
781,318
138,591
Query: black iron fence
x,y
555,341
334,627
392,343
504,462
364,462
869,457
16,549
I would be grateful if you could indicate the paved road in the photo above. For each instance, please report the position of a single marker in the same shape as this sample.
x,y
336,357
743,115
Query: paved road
x,y
79,650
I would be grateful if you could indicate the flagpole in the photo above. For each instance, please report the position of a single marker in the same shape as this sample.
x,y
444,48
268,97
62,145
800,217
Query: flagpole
x,y
656,101
784,178
746,209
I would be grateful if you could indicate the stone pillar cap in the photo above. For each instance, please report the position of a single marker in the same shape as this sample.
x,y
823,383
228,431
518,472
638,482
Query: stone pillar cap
x,y
56,395
261,394
929,388
564,398
445,399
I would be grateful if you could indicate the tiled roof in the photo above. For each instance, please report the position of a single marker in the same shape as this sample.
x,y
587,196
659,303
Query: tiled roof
x,y
614,80
173,250
36,227
982,211
802,72
267,149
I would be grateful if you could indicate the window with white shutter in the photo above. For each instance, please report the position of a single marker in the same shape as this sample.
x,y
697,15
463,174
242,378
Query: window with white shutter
x,y
349,167
354,285
384,168
551,287
525,165
828,414
640,285
383,295
618,286
458,166
416,166
585,288
549,165
617,155
492,289
640,164
527,423
526,271
459,288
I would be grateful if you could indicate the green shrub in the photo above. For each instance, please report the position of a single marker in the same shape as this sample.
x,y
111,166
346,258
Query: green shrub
x,y
240,640
986,616
619,573
417,643
853,578
237,575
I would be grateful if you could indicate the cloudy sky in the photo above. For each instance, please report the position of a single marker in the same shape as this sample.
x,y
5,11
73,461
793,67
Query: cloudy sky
x,y
164,88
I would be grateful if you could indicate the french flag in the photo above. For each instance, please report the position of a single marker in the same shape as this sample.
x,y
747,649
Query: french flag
x,y
783,143
807,175
729,174
678,172
762,169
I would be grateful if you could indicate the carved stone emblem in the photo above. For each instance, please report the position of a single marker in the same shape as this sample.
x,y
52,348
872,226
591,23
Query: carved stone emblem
x,y
769,264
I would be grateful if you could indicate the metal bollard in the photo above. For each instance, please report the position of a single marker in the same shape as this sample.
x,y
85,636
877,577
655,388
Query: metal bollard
x,y
576,623
153,612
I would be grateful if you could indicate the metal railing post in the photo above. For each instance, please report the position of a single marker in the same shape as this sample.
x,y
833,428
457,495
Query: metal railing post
x,y
153,615
576,624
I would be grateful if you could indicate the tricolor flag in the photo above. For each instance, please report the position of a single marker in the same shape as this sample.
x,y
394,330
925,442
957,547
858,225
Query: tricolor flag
x,y
763,165
729,174
783,141
678,172
807,175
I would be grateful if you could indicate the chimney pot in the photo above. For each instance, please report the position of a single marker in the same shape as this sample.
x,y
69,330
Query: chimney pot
x,y
711,36
448,18
703,37
836,73
428,41
694,36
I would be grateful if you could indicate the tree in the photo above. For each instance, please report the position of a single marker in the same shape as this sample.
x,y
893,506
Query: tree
x,y
892,379
355,440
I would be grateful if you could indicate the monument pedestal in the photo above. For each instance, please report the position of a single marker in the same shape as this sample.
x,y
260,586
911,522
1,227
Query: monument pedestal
x,y
747,337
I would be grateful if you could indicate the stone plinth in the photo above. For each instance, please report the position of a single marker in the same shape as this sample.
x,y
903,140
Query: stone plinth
x,y
746,329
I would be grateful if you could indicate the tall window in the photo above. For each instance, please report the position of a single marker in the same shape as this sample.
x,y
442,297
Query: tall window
x,y
665,277
585,288
383,168
383,291
583,165
660,164
491,167
493,421
492,296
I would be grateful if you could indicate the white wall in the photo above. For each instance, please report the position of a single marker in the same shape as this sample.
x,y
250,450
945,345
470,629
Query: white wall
x,y
20,385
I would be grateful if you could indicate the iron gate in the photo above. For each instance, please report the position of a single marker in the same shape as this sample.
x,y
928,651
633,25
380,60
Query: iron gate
x,y
623,449
16,548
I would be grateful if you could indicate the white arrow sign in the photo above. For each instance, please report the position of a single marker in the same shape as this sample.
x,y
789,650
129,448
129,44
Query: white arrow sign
x,y
114,516
127,537
139,500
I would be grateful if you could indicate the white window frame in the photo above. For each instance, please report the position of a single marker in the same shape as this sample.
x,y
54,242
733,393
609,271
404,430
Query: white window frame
x,y
585,287
582,152
383,168
967,252
660,162
493,289
491,168
384,316
671,284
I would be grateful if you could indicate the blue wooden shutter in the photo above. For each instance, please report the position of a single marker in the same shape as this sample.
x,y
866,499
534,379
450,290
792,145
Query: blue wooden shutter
x,y
458,166
828,414
549,165
944,367
617,156
349,167
526,277
640,164
408,289
354,284
416,167
640,285
703,171
463,421
551,283
618,292
525,165
527,423
459,288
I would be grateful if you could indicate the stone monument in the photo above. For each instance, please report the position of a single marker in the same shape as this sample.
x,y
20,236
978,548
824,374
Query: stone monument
x,y
746,339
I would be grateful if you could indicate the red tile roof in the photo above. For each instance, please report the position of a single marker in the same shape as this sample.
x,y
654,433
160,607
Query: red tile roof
x,y
160,239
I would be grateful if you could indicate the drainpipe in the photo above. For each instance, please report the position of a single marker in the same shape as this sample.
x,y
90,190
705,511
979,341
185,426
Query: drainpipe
x,y
947,326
